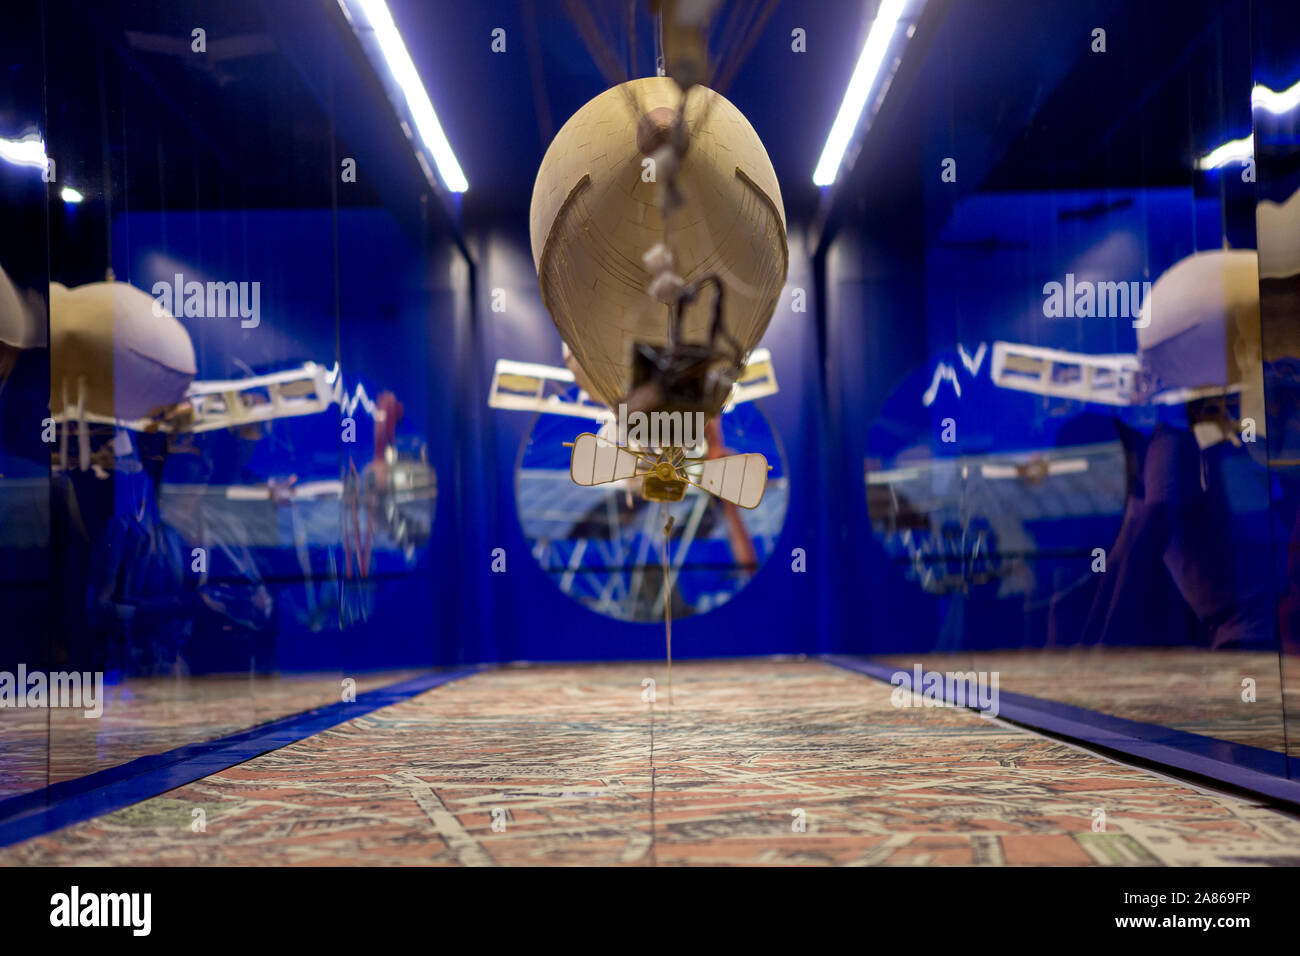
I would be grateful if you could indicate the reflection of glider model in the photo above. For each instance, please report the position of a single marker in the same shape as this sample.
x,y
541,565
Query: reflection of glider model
x,y
958,524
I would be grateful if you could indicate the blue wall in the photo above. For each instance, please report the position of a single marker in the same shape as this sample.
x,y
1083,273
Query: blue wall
x,y
526,616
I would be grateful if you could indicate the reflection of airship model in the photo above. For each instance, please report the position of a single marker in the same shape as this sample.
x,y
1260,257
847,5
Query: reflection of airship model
x,y
119,358
1197,336
22,326
1198,333
1199,328
600,242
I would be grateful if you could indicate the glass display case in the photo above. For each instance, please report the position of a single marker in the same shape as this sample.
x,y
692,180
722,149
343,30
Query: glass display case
x,y
1030,407
1074,459
221,453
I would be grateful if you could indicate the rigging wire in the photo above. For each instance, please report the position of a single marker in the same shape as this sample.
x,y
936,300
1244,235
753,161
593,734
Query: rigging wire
x,y
748,37
668,594
601,53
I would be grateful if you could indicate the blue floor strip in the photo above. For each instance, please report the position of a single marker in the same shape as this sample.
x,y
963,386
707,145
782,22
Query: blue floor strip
x,y
1260,771
72,801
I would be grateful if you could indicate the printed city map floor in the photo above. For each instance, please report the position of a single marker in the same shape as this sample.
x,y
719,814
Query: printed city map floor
x,y
148,715
575,769
1197,691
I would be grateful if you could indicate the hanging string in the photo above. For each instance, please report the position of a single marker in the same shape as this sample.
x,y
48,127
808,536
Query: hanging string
x,y
106,169
668,595
659,44
731,60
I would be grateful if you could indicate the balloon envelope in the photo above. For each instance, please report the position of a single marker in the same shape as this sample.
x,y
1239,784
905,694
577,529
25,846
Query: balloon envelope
x,y
594,215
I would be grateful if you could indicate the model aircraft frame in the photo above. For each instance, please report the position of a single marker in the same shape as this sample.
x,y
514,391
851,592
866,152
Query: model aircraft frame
x,y
531,387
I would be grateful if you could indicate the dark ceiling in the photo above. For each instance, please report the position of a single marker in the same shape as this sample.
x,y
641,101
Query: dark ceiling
x,y
1010,86
501,110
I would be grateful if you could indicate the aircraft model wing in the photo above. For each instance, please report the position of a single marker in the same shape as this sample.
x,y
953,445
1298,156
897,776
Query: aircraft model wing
x,y
530,387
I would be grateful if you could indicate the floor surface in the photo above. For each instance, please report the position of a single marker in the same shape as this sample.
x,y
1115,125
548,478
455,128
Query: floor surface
x,y
1197,691
573,767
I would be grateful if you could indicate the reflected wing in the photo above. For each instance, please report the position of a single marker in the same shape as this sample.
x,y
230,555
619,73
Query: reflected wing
x,y
596,461
1108,379
740,479
526,386
529,387
228,404
305,390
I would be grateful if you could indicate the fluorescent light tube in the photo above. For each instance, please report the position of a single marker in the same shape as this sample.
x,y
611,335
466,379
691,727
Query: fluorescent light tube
x,y
417,99
861,83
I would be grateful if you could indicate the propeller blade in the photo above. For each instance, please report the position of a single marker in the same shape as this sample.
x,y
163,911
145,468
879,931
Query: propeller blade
x,y
597,461
740,479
